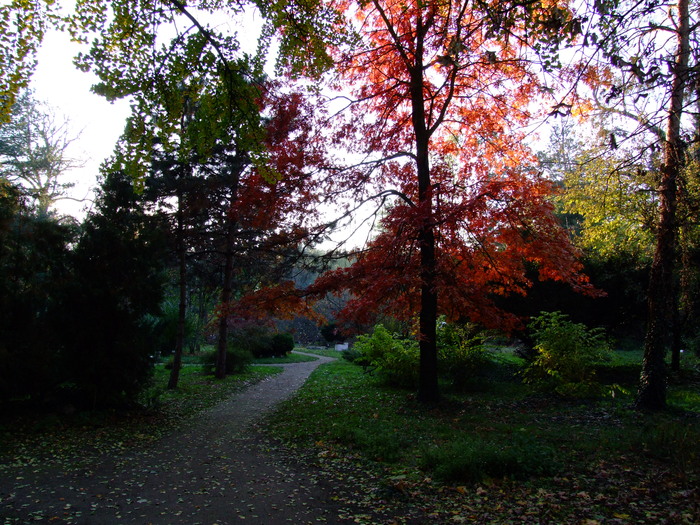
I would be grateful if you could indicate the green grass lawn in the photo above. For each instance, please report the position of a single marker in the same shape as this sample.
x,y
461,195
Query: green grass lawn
x,y
293,357
532,449
325,352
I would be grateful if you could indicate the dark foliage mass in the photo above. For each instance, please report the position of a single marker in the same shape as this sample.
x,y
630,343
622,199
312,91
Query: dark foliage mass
x,y
118,280
35,266
72,331
621,311
261,342
237,360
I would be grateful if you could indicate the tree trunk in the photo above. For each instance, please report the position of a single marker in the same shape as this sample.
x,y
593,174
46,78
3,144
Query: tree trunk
x,y
227,286
225,298
182,305
652,383
428,389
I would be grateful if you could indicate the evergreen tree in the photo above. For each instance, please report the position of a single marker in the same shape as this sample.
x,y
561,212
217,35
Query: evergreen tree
x,y
118,281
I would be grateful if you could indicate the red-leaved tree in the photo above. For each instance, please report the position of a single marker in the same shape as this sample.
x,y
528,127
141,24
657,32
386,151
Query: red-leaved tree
x,y
271,207
439,90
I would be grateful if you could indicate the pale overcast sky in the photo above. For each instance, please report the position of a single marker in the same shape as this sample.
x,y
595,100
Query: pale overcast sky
x,y
100,123
57,82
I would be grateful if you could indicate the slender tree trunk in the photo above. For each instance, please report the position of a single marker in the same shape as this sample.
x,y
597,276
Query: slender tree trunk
x,y
182,287
225,298
677,335
196,347
428,389
227,286
652,384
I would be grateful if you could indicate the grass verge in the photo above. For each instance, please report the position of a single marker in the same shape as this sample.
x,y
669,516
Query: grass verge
x,y
294,357
325,352
497,455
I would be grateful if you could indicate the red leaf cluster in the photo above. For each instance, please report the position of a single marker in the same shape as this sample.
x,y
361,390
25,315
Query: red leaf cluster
x,y
485,203
281,301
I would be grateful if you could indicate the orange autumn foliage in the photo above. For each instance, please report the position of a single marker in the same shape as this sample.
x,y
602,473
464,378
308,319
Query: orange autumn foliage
x,y
441,90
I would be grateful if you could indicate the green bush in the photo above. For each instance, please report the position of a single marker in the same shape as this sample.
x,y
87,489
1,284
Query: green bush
x,y
261,342
472,460
281,344
165,326
567,353
462,356
394,359
237,359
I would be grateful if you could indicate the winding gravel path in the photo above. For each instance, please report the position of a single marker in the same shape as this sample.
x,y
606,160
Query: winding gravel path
x,y
217,470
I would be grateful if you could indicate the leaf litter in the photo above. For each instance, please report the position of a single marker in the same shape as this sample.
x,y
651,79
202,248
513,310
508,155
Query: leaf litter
x,y
207,472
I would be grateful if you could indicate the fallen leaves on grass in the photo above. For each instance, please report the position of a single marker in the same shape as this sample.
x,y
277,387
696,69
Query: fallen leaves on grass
x,y
612,466
44,441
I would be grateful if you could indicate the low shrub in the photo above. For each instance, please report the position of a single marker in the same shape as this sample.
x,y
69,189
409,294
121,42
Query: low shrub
x,y
261,342
237,360
281,344
165,327
392,358
462,356
332,334
567,354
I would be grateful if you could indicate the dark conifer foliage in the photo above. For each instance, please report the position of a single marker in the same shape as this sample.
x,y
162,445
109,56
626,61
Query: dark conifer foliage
x,y
118,280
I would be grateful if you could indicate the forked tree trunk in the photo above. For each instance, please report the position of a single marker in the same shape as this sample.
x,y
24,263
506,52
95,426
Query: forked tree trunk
x,y
652,383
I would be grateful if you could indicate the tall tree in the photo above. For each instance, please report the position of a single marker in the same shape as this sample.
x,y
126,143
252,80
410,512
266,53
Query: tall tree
x,y
118,281
270,207
34,151
611,212
652,388
35,267
440,89
648,46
